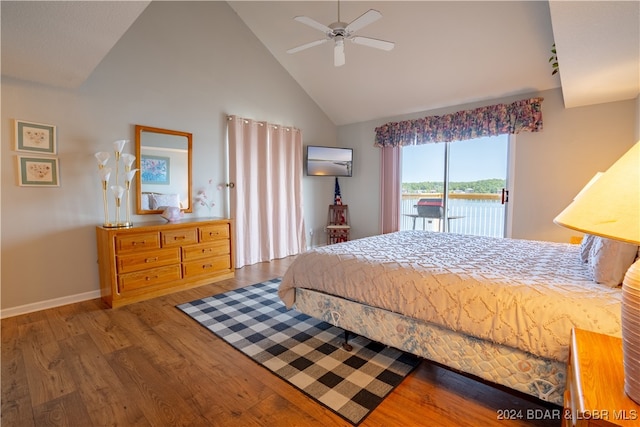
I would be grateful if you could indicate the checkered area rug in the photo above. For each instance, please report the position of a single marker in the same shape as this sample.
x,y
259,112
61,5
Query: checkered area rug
x,y
304,351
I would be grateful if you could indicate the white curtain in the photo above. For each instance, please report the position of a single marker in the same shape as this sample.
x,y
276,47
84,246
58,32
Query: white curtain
x,y
265,165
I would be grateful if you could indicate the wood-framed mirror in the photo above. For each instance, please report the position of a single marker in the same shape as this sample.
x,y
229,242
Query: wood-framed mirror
x,y
163,157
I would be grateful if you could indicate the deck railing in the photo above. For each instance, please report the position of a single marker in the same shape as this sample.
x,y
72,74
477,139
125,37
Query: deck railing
x,y
480,214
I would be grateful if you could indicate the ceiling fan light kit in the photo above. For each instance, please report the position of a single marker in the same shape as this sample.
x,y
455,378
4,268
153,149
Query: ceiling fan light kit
x,y
340,31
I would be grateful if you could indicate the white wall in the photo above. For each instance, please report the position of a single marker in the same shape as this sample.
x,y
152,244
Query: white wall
x,y
551,166
181,66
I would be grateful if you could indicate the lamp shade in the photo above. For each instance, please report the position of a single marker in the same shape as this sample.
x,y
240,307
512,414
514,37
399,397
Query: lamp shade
x,y
118,145
609,206
102,158
128,160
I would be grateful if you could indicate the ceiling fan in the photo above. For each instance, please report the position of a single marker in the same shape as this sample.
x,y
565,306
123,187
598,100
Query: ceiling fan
x,y
340,31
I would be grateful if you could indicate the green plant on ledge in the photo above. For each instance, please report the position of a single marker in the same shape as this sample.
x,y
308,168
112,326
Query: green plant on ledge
x,y
554,60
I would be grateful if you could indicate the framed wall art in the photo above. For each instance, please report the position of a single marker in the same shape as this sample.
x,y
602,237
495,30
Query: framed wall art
x,y
38,171
35,137
154,169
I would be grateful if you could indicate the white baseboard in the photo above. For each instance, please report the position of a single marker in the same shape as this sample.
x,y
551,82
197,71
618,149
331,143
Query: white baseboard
x,y
43,305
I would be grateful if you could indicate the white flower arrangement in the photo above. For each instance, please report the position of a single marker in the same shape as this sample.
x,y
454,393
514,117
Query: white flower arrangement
x,y
204,199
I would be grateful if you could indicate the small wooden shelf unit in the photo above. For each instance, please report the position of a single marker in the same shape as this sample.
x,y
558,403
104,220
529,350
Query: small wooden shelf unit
x,y
158,258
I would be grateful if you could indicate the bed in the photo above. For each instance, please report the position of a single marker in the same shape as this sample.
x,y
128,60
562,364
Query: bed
x,y
497,309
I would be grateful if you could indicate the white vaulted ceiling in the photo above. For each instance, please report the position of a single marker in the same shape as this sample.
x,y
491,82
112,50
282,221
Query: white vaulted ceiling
x,y
60,43
599,49
447,53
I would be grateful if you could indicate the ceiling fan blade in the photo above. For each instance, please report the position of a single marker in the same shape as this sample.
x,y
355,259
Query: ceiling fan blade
x,y
378,44
363,20
313,24
307,46
338,53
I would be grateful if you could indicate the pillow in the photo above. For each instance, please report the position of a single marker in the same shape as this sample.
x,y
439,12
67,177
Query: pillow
x,y
585,246
163,201
144,201
609,260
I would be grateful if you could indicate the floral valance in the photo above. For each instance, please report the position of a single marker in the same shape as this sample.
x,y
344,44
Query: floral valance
x,y
520,116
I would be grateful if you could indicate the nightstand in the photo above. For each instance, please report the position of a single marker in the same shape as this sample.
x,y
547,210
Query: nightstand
x,y
594,394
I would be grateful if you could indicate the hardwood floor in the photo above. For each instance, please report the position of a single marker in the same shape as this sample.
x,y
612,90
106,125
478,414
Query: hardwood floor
x,y
147,364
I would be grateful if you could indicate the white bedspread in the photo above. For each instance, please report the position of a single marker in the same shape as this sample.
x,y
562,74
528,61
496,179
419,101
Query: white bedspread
x,y
522,293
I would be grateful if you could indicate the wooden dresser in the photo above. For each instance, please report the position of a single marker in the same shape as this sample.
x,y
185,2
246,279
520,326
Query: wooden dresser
x,y
158,258
594,395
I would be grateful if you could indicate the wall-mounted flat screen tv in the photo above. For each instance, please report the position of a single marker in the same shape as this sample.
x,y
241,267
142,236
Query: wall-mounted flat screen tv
x,y
329,161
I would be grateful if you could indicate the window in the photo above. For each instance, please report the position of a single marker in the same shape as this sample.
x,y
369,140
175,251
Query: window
x,y
472,174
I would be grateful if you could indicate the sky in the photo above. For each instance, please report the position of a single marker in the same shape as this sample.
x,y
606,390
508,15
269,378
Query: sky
x,y
472,160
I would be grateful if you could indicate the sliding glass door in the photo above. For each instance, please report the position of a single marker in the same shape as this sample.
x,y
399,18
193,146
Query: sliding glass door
x,y
458,186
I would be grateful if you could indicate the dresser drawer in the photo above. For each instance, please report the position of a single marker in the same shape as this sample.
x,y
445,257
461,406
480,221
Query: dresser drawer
x,y
145,278
137,242
214,232
219,264
145,260
205,250
186,236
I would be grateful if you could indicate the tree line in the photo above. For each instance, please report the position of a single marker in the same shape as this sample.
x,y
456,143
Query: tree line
x,y
489,186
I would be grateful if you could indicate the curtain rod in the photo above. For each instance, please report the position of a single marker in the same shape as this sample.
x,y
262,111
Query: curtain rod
x,y
262,123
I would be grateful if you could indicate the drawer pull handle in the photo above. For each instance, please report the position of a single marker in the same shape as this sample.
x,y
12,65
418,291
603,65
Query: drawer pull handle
x,y
139,243
214,233
151,278
179,237
151,259
207,266
207,250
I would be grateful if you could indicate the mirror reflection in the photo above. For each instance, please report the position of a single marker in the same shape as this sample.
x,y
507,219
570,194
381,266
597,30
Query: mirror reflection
x,y
163,158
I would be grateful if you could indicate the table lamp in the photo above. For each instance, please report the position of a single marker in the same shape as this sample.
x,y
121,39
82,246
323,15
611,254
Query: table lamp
x,y
610,207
